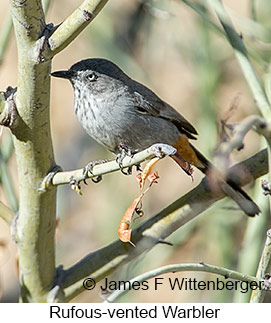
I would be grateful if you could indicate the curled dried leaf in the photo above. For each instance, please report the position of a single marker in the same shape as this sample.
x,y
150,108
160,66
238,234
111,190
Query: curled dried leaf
x,y
124,231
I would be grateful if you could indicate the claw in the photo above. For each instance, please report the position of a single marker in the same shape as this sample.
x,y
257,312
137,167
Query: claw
x,y
89,168
96,179
128,172
124,151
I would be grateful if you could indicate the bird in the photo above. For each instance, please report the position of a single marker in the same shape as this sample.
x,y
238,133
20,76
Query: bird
x,y
126,116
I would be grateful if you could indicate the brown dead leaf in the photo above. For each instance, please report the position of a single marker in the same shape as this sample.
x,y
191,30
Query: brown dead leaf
x,y
124,229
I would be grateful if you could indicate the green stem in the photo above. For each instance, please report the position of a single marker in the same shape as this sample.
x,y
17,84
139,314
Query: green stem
x,y
6,149
240,51
34,155
253,242
6,213
73,25
7,184
7,31
5,36
2,102
253,10
46,5
198,9
257,296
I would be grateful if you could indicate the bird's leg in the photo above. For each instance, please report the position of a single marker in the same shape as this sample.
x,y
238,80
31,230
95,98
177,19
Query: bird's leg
x,y
124,151
89,168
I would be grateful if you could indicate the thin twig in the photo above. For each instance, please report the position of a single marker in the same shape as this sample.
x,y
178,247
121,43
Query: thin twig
x,y
253,10
73,25
46,5
252,243
198,9
6,149
5,36
240,50
6,213
6,31
110,166
8,185
257,296
202,267
225,148
2,103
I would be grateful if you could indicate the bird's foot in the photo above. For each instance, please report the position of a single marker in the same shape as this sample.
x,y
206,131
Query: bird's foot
x,y
88,169
124,151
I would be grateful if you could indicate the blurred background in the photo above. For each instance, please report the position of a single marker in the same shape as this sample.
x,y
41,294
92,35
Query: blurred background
x,y
170,48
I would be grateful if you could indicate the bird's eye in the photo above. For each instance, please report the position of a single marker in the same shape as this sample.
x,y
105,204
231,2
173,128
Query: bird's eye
x,y
92,77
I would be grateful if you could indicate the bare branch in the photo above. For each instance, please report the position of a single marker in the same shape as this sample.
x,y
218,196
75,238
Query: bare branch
x,y
202,267
240,50
257,296
5,36
60,178
225,148
29,15
35,227
6,213
73,25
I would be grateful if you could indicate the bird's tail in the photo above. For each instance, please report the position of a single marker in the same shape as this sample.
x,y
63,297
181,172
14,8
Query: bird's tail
x,y
228,187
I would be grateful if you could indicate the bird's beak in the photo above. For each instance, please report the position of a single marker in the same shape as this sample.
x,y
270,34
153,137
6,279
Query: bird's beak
x,y
62,74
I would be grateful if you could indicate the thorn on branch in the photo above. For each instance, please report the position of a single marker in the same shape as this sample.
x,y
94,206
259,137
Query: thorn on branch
x,y
9,115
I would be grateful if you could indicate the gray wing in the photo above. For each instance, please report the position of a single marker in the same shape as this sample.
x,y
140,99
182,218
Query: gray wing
x,y
153,105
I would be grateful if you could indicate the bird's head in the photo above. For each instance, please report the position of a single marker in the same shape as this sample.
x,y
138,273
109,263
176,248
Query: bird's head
x,y
94,74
